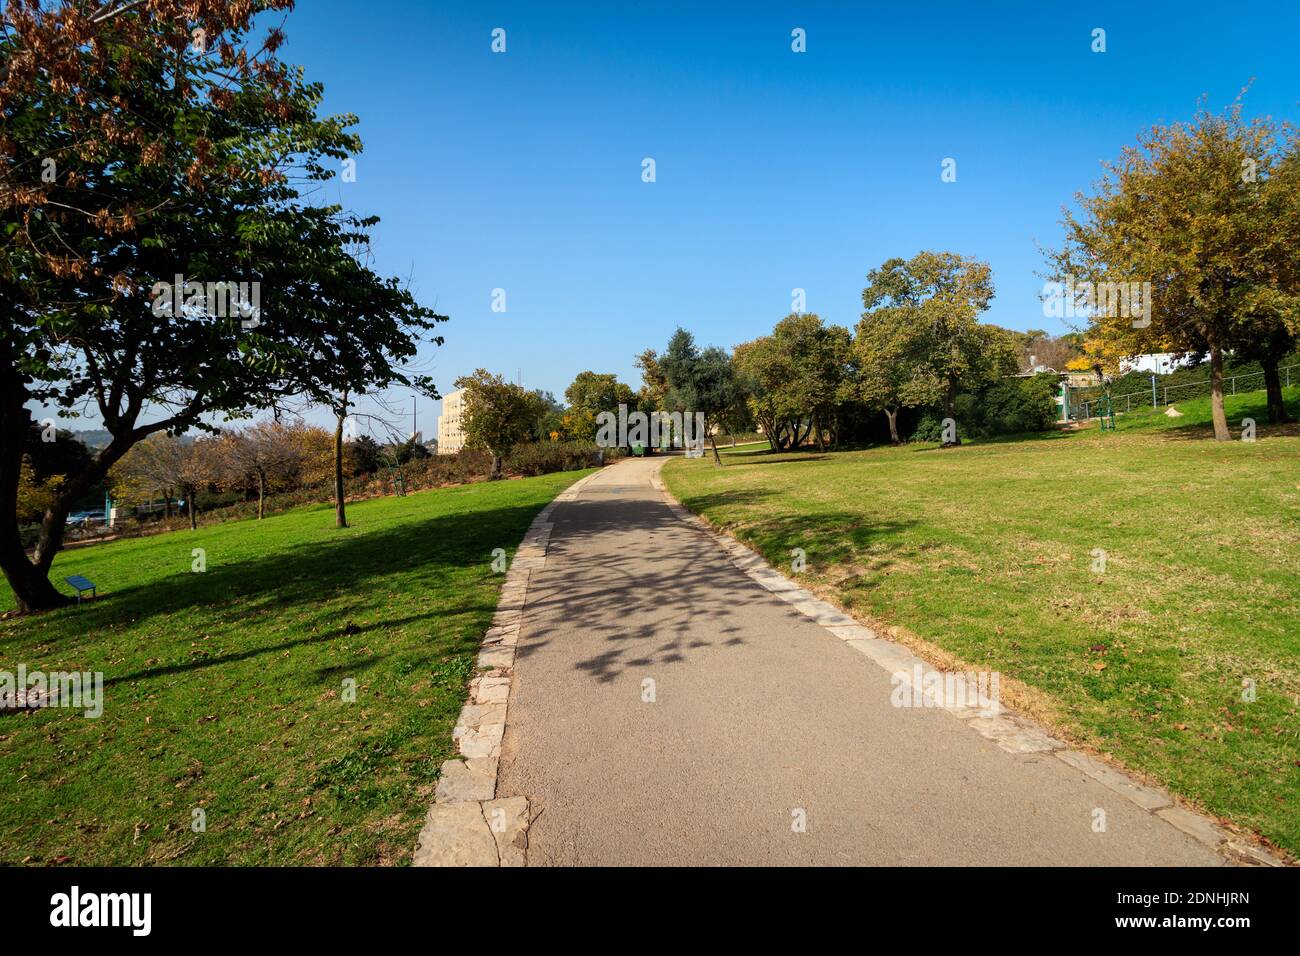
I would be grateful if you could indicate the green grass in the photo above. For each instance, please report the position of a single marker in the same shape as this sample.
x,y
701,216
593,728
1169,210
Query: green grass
x,y
224,690
983,554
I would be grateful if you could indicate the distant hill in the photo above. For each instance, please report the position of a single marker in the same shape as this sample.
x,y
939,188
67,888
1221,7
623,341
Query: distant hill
x,y
93,438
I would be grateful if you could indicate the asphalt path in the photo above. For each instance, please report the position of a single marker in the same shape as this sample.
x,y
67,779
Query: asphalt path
x,y
666,709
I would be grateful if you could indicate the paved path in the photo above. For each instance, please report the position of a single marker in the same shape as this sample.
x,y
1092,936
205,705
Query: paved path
x,y
757,712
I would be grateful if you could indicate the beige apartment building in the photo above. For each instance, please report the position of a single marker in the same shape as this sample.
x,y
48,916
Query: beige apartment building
x,y
450,438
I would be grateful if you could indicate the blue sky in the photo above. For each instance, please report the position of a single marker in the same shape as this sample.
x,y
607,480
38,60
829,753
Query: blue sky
x,y
775,170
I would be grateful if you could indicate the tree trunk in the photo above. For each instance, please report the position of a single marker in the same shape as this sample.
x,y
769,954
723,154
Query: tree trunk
x,y
1277,413
28,578
817,429
30,582
1216,395
495,473
950,411
192,499
261,496
716,457
892,415
340,512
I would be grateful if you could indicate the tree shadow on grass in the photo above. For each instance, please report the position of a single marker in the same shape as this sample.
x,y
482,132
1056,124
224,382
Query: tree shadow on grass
x,y
1204,431
1254,406
292,579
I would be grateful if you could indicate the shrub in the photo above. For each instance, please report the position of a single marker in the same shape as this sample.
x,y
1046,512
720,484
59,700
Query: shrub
x,y
541,458
1010,406
929,428
1013,406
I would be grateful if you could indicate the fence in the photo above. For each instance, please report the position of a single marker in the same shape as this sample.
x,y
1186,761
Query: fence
x,y
1159,394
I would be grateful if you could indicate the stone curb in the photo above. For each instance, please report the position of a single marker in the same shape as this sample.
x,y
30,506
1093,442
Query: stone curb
x,y
467,825
1012,733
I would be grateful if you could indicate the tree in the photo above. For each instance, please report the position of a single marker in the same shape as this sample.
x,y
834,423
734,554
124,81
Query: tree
x,y
654,386
1188,216
410,450
266,455
34,492
589,395
889,351
498,415
763,370
797,378
1039,348
365,454
1273,305
699,381
172,466
737,417
552,425
940,295
171,159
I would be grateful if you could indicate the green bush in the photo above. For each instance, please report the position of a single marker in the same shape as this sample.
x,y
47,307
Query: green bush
x,y
1010,406
929,428
1017,405
541,458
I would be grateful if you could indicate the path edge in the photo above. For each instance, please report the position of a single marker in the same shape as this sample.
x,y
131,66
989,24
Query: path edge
x,y
467,825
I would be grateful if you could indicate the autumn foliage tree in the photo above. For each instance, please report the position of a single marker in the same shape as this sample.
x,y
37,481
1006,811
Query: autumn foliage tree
x,y
1198,213
164,465
145,141
263,456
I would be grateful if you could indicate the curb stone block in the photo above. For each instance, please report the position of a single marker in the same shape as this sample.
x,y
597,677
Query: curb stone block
x,y
461,780
490,690
479,716
508,821
456,834
1147,798
1245,855
1194,825
1014,735
496,656
482,741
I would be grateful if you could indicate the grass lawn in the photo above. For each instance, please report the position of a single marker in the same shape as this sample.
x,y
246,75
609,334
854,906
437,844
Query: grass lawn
x,y
224,690
983,555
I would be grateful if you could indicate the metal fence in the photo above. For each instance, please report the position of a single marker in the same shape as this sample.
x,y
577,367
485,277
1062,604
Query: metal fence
x,y
1159,395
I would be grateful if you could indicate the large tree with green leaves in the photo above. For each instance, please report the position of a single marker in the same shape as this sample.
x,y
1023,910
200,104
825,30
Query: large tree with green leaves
x,y
590,394
142,142
1194,212
891,375
939,296
498,415
797,378
699,381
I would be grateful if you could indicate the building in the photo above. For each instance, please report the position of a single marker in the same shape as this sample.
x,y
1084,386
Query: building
x,y
1161,363
450,438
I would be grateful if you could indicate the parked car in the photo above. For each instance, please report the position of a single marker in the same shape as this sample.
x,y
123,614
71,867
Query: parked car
x,y
83,518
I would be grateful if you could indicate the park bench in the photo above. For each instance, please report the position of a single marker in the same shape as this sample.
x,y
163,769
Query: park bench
x,y
81,585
